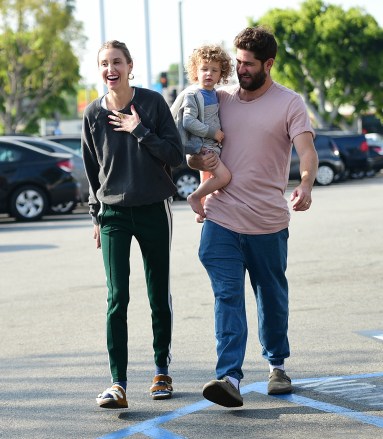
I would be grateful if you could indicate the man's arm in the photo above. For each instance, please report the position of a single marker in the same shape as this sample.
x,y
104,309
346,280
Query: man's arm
x,y
308,158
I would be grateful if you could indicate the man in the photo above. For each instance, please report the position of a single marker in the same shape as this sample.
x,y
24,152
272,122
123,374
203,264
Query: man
x,y
246,225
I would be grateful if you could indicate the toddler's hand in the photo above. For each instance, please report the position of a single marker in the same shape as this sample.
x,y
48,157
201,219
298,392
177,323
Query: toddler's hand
x,y
219,136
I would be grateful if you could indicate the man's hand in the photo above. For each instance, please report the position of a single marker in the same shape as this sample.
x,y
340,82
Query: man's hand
x,y
203,161
301,198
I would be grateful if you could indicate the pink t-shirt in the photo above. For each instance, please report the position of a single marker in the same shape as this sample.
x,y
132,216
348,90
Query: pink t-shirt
x,y
257,151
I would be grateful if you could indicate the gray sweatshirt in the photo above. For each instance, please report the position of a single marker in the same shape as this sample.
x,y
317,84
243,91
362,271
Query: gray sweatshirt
x,y
196,123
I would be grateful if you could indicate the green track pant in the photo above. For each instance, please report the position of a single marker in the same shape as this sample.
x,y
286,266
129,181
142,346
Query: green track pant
x,y
151,225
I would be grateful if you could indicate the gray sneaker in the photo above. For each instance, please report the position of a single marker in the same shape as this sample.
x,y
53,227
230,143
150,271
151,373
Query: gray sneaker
x,y
222,392
279,383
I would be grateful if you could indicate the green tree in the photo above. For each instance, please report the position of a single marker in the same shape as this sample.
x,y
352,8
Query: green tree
x,y
38,66
332,57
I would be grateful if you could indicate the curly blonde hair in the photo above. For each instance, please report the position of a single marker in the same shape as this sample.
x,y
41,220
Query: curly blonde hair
x,y
209,53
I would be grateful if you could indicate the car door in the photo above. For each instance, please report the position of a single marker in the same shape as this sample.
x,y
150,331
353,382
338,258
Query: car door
x,y
9,165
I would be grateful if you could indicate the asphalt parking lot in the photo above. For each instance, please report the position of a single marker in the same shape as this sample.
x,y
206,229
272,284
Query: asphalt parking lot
x,y
53,359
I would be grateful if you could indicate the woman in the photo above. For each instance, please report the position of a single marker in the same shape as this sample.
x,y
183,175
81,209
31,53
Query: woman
x,y
129,142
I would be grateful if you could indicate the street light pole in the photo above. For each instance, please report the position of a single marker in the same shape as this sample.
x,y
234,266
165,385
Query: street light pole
x,y
181,76
102,88
102,21
147,38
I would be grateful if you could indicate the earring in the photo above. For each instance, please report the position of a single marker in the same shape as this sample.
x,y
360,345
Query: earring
x,y
130,76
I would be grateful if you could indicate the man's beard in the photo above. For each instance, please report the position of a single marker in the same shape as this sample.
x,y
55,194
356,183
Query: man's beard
x,y
256,81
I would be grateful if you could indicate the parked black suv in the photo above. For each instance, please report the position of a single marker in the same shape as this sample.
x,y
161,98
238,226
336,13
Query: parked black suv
x,y
330,167
354,152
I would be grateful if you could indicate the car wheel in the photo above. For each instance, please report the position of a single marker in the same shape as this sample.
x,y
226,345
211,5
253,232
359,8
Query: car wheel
x,y
187,182
28,203
325,175
63,208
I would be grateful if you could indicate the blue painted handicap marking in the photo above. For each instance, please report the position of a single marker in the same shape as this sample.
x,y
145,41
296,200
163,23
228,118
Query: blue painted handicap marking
x,y
339,386
148,428
377,421
356,389
377,334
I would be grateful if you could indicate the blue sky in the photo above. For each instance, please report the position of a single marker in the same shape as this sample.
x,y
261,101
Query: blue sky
x,y
203,22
